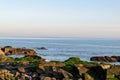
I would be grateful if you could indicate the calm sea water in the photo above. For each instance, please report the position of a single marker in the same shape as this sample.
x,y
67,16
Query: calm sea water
x,y
63,48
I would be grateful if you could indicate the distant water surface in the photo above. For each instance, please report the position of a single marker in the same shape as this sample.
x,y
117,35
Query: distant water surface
x,y
63,48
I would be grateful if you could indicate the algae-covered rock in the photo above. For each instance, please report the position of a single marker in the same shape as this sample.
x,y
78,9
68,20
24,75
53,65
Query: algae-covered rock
x,y
72,60
33,67
110,76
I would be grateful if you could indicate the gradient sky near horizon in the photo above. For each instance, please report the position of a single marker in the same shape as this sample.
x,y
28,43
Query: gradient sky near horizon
x,y
60,18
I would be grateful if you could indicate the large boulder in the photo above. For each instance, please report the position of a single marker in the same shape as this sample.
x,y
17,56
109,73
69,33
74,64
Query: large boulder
x,y
17,51
51,68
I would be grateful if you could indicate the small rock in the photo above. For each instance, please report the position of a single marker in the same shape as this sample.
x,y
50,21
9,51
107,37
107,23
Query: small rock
x,y
21,69
53,78
45,78
42,48
17,74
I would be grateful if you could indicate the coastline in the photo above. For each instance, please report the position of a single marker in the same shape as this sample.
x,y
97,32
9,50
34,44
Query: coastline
x,y
33,67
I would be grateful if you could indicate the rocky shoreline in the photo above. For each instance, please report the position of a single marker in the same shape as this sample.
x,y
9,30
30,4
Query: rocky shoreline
x,y
33,67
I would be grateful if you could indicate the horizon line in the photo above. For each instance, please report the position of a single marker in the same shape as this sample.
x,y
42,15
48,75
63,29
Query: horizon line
x,y
55,38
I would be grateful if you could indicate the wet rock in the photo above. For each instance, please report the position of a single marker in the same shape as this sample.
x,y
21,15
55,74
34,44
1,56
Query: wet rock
x,y
8,47
17,51
106,58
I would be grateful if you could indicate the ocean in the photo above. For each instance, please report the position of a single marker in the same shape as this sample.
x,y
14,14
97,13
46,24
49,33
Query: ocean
x,y
64,48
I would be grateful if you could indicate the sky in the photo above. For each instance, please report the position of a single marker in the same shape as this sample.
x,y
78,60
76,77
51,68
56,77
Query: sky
x,y
60,18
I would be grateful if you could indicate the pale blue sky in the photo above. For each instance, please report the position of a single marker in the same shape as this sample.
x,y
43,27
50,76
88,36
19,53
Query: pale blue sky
x,y
60,18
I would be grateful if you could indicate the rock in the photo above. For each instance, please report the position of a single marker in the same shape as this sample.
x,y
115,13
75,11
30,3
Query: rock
x,y
50,68
17,51
60,64
110,76
6,75
80,79
2,54
53,78
45,78
8,47
21,69
72,60
66,74
106,58
34,57
34,75
87,77
115,58
17,74
113,73
26,77
114,70
81,69
105,66
42,48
